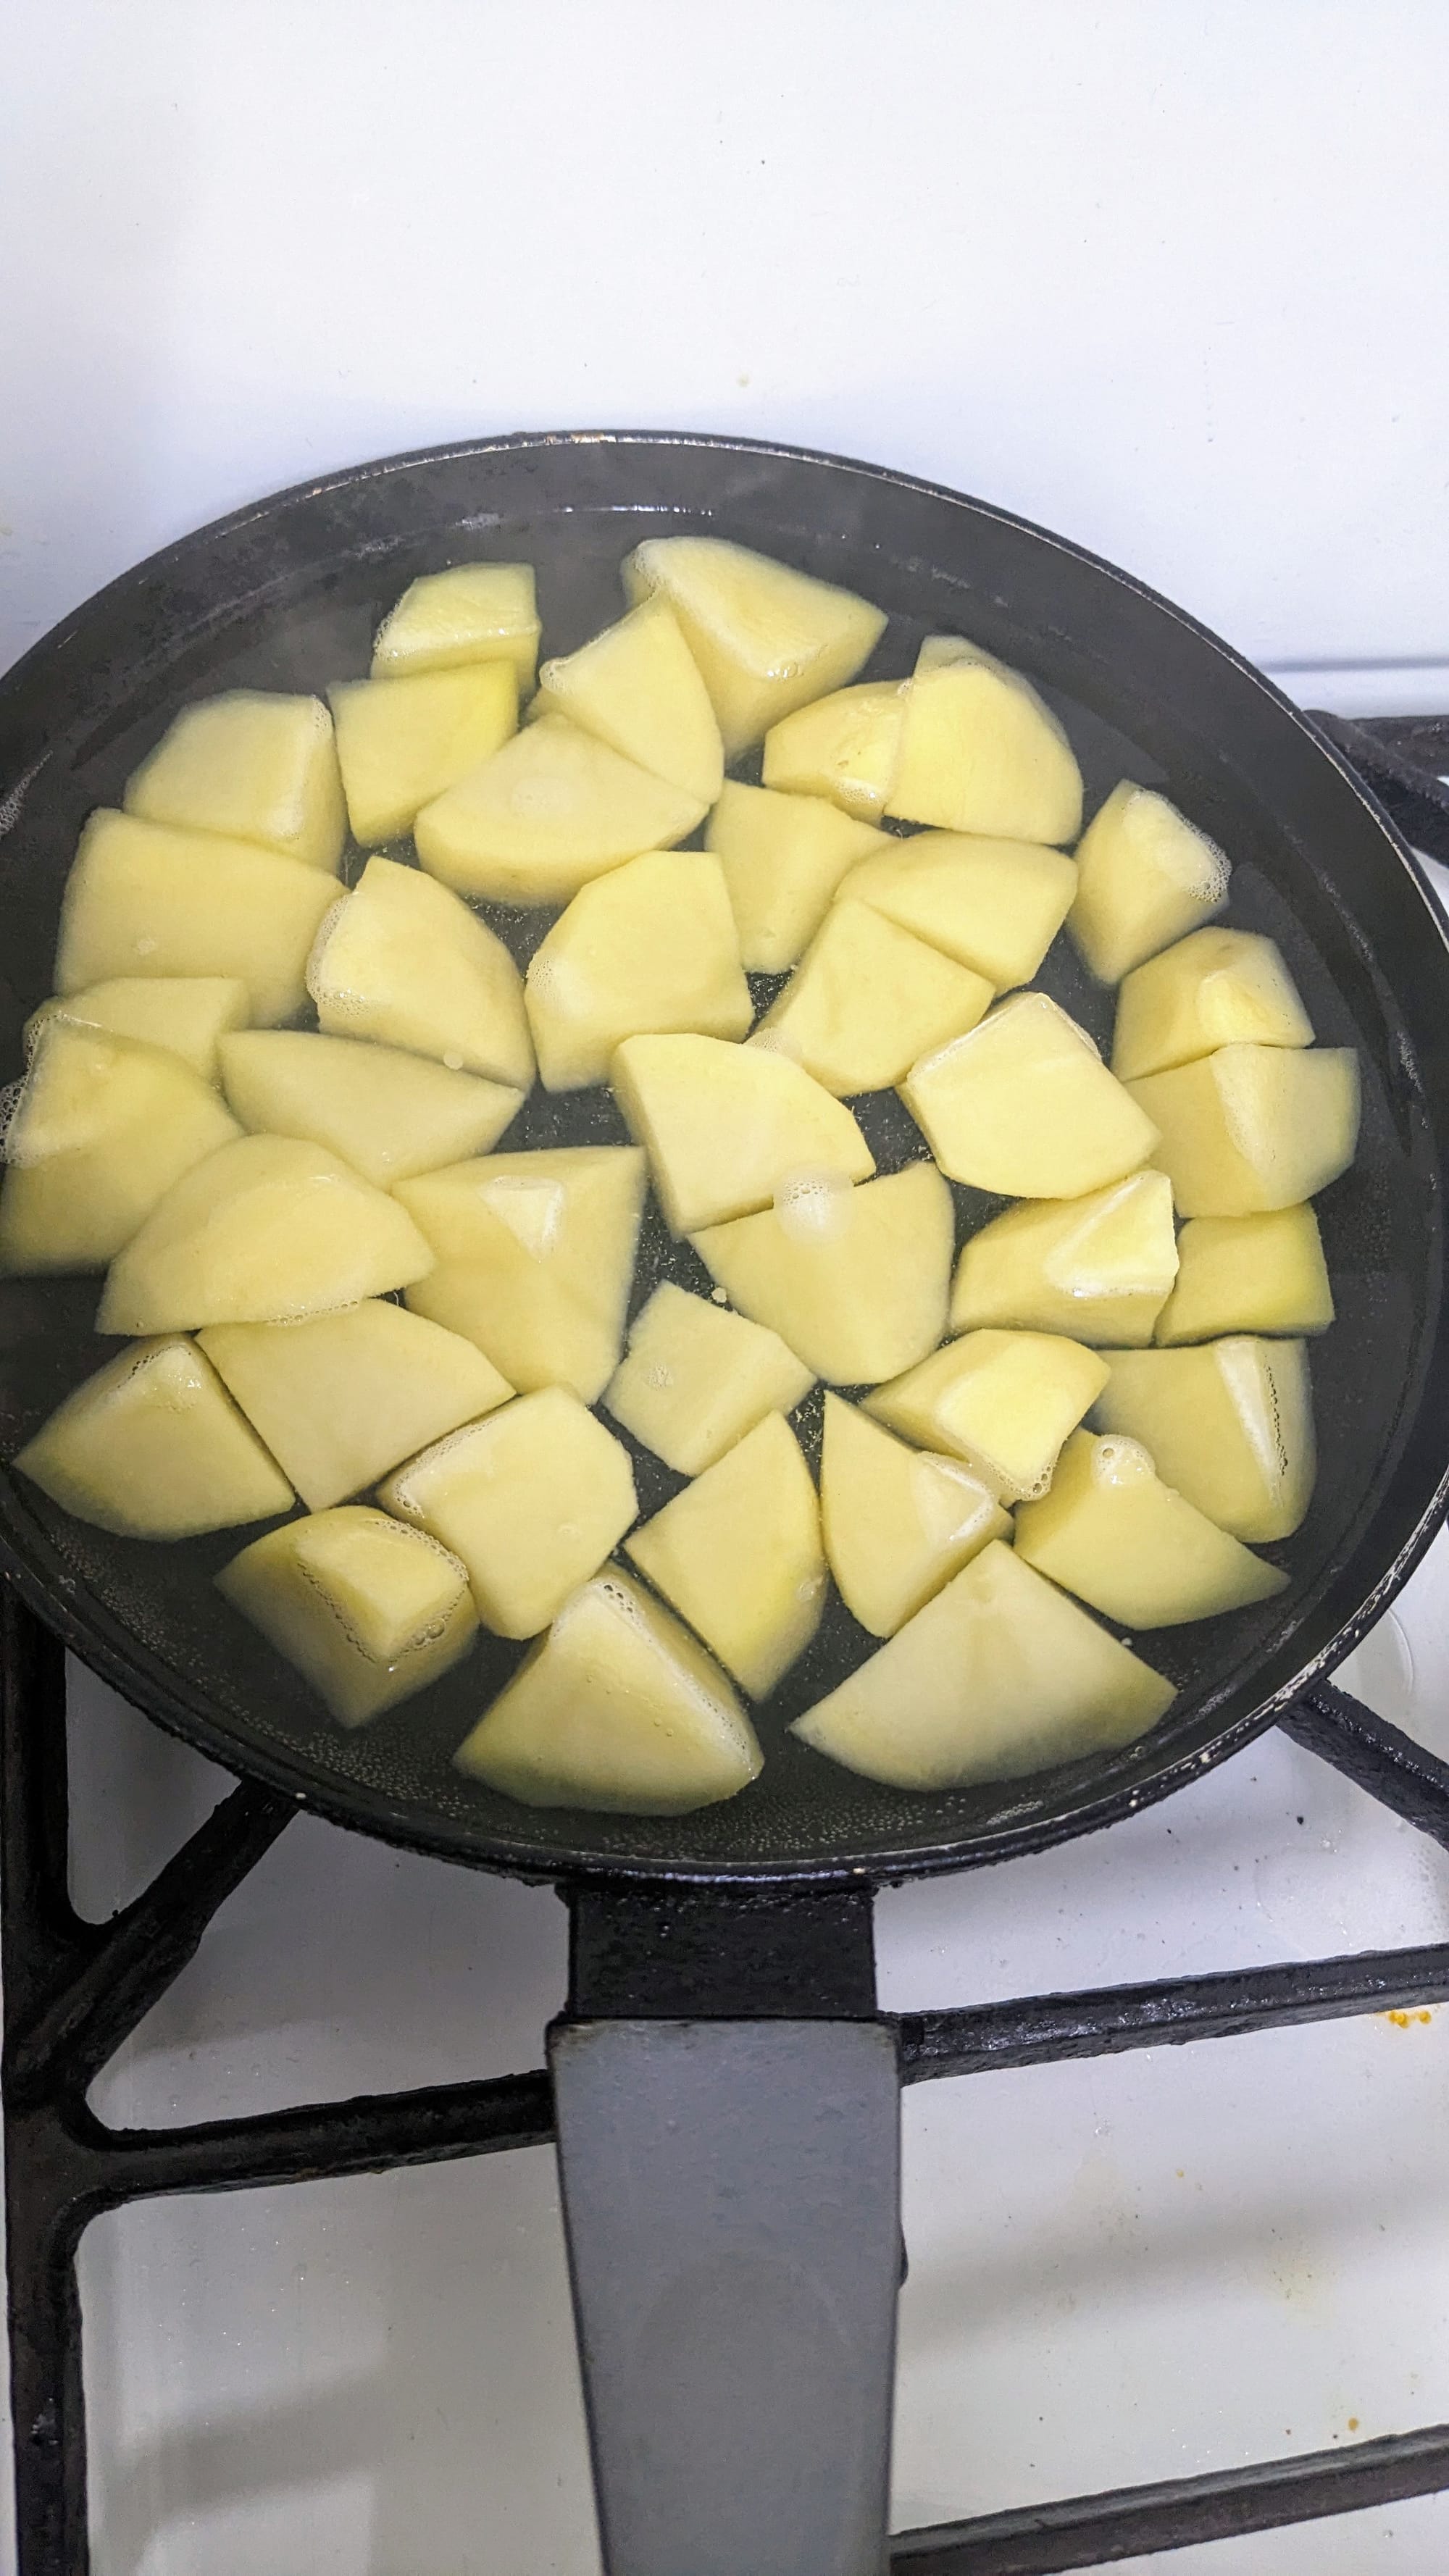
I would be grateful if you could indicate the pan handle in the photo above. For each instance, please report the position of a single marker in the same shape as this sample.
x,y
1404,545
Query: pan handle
x,y
728,2114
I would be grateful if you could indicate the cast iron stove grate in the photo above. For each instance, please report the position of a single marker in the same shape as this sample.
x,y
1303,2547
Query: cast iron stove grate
x,y
74,1990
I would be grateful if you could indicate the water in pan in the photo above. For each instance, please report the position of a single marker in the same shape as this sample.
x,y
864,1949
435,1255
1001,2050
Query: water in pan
x,y
311,627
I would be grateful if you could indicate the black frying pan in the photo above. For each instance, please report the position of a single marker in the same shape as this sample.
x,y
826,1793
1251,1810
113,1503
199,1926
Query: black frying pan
x,y
287,595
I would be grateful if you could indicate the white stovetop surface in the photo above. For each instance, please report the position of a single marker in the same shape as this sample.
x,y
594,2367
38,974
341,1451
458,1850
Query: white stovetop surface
x,y
1166,278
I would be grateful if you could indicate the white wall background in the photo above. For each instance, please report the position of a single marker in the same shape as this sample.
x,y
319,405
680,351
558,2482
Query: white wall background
x,y
1163,274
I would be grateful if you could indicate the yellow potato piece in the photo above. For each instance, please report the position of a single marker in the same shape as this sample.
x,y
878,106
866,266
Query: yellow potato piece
x,y
1217,988
766,638
253,765
1099,1267
854,1280
184,1014
649,947
1229,1425
637,687
145,899
1248,1274
783,857
1000,1675
980,751
479,612
995,906
369,1612
1003,1402
342,1398
549,811
897,1523
616,1708
1112,1532
1145,876
738,1554
404,961
263,1232
401,742
102,1128
846,747
1253,1127
696,1378
1024,1105
726,1127
387,1113
866,1000
532,1499
153,1447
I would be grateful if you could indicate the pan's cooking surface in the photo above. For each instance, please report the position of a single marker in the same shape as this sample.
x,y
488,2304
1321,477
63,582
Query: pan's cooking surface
x,y
288,597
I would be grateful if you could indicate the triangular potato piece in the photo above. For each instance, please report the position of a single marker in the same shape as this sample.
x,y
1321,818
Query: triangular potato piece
x,y
738,1554
637,687
982,752
1229,1425
1213,989
1114,1534
649,947
401,742
995,906
783,857
854,1281
1024,1105
999,1676
1253,1128
369,1611
102,1128
478,612
1248,1274
1145,876
549,811
1003,1402
725,1126
146,899
696,1378
386,1113
846,747
184,1014
153,1447
1100,1268
898,1522
342,1398
254,765
406,962
264,1232
866,999
765,637
617,1708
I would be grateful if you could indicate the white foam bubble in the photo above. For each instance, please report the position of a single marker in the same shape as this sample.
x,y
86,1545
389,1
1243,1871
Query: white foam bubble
x,y
813,1204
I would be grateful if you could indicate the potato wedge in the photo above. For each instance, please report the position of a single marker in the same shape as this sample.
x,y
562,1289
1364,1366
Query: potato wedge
x,y
783,858
854,1281
389,1114
650,947
253,765
146,899
1112,1532
995,906
401,742
477,612
725,1127
1024,1105
696,1378
406,962
1253,1127
866,1000
1248,1274
1145,876
897,1522
368,1611
183,1014
637,687
1215,988
102,1128
981,751
1003,1402
1100,1268
766,638
1229,1425
549,811
846,747
738,1554
153,1447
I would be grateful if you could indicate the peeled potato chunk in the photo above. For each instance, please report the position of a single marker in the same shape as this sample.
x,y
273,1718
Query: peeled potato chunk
x,y
1217,988
368,1611
995,906
998,1676
726,1126
783,857
1114,1534
341,1398
1099,1267
766,638
854,1280
401,742
532,1500
153,1447
696,1378
535,1258
253,765
980,751
898,1523
616,1708
479,612
145,899
1003,1402
1253,1127
1228,1425
845,747
637,687
1145,876
650,946
1248,1274
1024,1105
184,1014
549,811
739,1556
406,962
102,1128
263,1232
866,1000
386,1113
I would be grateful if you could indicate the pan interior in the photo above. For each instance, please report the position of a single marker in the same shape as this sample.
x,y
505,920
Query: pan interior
x,y
288,597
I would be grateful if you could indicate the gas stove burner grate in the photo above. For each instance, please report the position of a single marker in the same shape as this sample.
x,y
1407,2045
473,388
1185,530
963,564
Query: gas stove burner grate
x,y
75,1990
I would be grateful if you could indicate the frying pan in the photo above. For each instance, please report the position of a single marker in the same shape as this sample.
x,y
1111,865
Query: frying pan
x,y
726,2110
